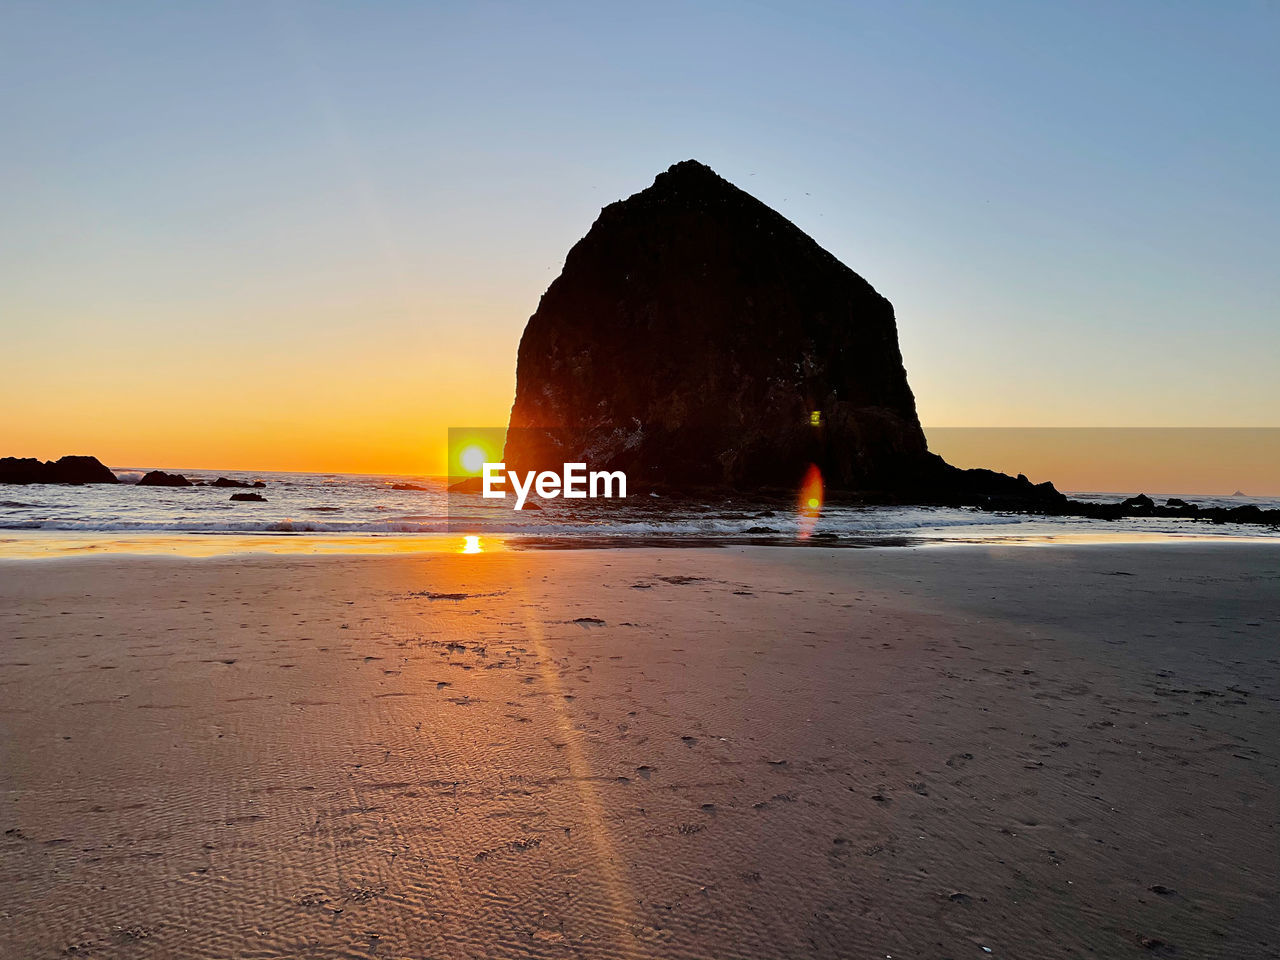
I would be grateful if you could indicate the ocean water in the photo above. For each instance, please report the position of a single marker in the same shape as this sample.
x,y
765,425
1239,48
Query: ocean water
x,y
344,506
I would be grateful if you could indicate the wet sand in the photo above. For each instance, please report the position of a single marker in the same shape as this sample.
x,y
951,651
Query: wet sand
x,y
750,752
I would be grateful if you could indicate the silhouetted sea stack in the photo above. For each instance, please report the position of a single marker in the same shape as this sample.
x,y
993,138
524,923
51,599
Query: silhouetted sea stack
x,y
694,337
697,338
64,470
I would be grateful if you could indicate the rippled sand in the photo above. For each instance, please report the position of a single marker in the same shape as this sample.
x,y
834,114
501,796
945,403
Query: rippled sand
x,y
1046,752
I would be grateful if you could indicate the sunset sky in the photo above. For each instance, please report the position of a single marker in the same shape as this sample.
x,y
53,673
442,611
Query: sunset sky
x,y
307,236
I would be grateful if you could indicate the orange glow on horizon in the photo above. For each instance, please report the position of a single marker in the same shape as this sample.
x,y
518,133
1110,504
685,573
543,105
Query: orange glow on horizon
x,y
320,403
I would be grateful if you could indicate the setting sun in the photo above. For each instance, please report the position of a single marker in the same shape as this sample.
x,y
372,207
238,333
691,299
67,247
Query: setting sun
x,y
470,448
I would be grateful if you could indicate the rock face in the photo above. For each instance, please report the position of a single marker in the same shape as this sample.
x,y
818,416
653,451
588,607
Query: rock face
x,y
695,338
698,338
158,478
64,470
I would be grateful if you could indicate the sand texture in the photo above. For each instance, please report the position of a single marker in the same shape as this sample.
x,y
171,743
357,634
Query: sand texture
x,y
750,752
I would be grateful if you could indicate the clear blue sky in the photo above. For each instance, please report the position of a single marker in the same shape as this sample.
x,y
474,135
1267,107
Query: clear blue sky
x,y
1074,207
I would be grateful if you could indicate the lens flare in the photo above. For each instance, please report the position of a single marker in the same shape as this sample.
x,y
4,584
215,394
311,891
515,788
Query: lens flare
x,y
810,505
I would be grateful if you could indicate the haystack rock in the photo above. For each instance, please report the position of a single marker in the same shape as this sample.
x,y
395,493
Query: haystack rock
x,y
64,470
697,338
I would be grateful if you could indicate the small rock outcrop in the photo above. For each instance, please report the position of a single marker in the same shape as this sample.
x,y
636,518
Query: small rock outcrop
x,y
1139,505
63,470
225,482
158,478
249,497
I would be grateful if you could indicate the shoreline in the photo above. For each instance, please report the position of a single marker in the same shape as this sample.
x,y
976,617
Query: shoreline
x,y
50,545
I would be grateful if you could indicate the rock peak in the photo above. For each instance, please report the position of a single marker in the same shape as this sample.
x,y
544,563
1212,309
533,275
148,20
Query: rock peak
x,y
694,182
691,170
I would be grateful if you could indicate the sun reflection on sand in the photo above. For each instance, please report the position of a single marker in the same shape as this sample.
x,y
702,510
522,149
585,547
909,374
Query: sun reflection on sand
x,y
613,871
37,544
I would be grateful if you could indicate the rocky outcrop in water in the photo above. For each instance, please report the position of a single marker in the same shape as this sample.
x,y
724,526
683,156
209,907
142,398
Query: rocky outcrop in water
x,y
1144,506
158,478
63,470
225,482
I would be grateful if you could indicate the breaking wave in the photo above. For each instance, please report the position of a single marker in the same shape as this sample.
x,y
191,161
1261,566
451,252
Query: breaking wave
x,y
362,505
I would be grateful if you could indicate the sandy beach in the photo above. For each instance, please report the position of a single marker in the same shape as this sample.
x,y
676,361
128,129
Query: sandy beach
x,y
747,752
